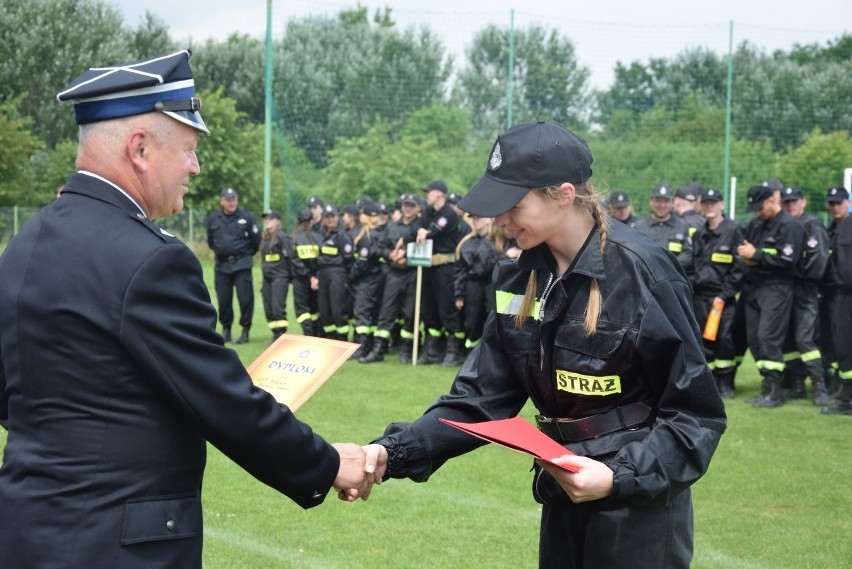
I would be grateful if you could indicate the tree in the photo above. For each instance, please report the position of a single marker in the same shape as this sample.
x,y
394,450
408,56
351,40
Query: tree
x,y
46,43
817,164
17,145
334,77
232,156
548,81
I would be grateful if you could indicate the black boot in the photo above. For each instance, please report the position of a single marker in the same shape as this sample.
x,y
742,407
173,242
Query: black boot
x,y
816,372
226,334
244,337
431,353
797,388
277,333
377,352
455,352
405,349
363,349
725,382
309,328
772,392
843,405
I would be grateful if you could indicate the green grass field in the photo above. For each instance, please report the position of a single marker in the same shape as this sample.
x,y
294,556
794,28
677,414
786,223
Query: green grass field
x,y
776,495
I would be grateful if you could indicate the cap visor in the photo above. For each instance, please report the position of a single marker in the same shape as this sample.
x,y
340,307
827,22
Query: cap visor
x,y
753,207
190,118
488,198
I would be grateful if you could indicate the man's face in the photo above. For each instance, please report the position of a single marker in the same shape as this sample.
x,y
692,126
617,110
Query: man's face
x,y
316,212
329,221
711,209
770,207
433,197
795,207
838,210
681,205
409,210
661,208
172,162
229,205
622,213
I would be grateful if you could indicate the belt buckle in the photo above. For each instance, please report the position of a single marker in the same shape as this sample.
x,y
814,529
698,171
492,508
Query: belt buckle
x,y
231,258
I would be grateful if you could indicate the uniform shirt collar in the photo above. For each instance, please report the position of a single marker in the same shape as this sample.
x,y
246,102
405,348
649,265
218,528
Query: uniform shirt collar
x,y
102,179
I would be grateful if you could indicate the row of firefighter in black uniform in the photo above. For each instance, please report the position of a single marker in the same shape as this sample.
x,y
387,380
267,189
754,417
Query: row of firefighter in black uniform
x,y
351,278
783,284
780,282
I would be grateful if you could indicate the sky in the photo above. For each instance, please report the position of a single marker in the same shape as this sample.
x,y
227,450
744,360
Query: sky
x,y
604,31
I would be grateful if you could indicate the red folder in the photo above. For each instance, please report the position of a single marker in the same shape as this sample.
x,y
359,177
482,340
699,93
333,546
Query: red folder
x,y
515,434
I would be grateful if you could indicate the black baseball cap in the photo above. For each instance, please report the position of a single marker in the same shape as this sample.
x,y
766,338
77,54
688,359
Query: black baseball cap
x,y
274,214
228,193
330,209
304,215
314,201
618,200
528,155
837,194
711,195
352,209
757,195
774,183
408,198
791,193
370,208
664,191
688,193
439,185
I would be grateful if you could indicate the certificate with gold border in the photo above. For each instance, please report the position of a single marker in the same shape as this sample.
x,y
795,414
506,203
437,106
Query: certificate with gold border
x,y
294,367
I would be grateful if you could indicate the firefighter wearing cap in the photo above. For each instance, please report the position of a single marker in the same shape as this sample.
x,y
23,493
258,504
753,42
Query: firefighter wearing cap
x,y
439,222
719,275
113,378
801,351
276,250
306,244
335,257
840,278
667,230
234,237
366,276
593,323
687,201
620,207
772,250
398,296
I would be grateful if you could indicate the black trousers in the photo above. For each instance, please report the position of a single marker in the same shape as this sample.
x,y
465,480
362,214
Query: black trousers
x,y
721,353
274,291
368,293
477,305
225,284
332,299
615,535
768,309
398,301
304,300
438,301
841,326
801,348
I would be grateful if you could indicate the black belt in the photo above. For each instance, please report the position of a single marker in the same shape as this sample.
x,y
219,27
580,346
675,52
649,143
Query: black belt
x,y
229,258
630,416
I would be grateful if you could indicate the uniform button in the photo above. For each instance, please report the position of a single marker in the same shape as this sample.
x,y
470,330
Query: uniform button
x,y
170,525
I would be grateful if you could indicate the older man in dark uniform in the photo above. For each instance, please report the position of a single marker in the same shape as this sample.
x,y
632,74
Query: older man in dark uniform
x,y
113,377
234,237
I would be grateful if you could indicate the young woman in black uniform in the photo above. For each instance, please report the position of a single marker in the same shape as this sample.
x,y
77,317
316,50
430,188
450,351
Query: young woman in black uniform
x,y
594,323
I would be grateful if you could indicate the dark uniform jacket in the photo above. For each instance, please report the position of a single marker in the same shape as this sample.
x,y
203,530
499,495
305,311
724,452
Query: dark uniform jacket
x,y
234,239
477,258
718,270
671,234
840,265
815,252
275,256
306,246
368,259
112,380
443,226
335,249
778,243
647,349
397,230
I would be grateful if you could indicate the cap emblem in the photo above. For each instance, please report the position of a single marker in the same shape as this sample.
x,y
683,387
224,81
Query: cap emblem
x,y
496,159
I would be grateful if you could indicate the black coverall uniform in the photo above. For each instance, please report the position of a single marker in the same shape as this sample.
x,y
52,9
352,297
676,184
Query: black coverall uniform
x,y
645,364
719,271
306,245
672,235
801,351
398,295
335,256
474,266
234,239
840,268
438,300
276,251
769,296
367,276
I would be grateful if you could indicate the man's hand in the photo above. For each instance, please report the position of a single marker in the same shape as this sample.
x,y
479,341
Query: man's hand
x,y
377,461
746,250
353,481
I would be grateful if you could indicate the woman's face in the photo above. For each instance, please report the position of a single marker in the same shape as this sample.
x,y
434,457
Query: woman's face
x,y
534,220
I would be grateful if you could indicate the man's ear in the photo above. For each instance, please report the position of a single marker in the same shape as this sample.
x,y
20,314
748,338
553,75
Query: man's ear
x,y
138,147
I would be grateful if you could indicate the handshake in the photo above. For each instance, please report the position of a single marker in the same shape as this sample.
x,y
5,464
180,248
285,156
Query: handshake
x,y
360,468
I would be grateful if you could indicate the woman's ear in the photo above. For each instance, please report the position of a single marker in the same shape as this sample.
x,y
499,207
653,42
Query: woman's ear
x,y
567,193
